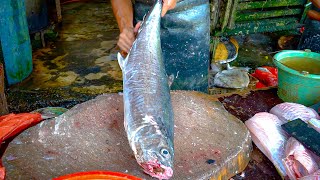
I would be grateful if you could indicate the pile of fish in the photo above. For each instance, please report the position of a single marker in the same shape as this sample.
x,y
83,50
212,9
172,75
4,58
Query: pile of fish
x,y
288,155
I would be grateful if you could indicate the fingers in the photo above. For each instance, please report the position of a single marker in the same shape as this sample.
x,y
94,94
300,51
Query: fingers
x,y
126,39
123,46
312,14
164,8
168,5
136,28
316,3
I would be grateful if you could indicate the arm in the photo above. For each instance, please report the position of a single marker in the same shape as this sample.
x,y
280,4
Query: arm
x,y
123,11
312,14
168,5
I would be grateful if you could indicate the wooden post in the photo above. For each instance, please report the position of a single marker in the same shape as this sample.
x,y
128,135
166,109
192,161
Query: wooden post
x,y
3,100
58,7
54,10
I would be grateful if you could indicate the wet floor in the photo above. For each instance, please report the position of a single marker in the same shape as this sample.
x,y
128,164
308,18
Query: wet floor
x,y
83,57
79,65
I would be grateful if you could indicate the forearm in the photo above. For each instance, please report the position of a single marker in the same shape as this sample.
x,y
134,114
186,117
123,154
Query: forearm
x,y
123,11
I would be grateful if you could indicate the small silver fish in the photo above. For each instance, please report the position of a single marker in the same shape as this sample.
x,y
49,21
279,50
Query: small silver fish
x,y
147,103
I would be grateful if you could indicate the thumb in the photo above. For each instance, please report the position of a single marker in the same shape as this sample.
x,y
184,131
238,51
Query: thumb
x,y
164,8
136,28
168,5
316,3
314,15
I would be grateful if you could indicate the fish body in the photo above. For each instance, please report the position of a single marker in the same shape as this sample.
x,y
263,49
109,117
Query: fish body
x,y
299,161
314,176
232,78
290,111
266,133
147,103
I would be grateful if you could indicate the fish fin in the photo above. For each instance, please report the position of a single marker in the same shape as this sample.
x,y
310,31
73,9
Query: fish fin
x,y
170,80
121,60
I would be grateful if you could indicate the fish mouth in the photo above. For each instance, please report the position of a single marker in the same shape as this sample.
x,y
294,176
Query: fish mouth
x,y
157,170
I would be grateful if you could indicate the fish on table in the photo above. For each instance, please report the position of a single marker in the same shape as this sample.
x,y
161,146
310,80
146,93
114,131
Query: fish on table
x,y
148,111
266,133
287,154
289,111
299,162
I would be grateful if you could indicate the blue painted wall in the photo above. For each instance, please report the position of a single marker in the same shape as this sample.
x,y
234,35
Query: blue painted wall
x,y
15,40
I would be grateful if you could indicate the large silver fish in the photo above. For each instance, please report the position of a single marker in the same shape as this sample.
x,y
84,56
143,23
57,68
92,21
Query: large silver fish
x,y
147,102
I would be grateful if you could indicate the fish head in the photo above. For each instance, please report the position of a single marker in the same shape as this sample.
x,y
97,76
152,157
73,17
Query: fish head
x,y
156,156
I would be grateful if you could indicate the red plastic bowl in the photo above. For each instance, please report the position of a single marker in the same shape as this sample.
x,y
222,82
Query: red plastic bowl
x,y
98,175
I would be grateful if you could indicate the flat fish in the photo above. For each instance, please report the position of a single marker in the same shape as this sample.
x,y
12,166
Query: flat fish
x,y
232,78
290,111
266,133
299,162
148,114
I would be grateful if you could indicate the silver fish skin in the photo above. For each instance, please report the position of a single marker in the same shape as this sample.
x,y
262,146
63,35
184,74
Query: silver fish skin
x,y
148,118
266,133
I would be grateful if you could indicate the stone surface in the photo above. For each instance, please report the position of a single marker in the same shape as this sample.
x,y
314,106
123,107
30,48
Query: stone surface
x,y
209,142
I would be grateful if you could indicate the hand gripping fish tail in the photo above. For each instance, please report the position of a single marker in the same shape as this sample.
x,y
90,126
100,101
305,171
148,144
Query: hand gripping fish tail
x,y
148,114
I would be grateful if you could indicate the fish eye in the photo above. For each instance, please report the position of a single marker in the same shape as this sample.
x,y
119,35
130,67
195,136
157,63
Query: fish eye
x,y
164,152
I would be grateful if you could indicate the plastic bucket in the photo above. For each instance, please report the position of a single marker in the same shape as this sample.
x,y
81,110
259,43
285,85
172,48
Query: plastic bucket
x,y
97,175
293,86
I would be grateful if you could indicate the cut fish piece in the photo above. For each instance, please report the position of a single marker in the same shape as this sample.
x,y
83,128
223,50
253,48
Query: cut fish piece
x,y
299,161
266,133
314,176
290,111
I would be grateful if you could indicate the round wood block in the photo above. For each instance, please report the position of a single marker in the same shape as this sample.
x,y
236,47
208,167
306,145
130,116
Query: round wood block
x,y
209,141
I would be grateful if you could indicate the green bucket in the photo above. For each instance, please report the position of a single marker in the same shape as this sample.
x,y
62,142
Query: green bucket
x,y
294,86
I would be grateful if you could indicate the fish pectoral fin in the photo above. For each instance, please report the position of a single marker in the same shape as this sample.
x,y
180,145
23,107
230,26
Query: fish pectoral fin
x,y
170,80
121,60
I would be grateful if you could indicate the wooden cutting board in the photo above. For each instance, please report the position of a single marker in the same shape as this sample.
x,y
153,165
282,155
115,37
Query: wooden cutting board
x,y
210,143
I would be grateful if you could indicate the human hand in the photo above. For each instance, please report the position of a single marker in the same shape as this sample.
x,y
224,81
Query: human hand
x,y
316,3
127,37
312,14
168,5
